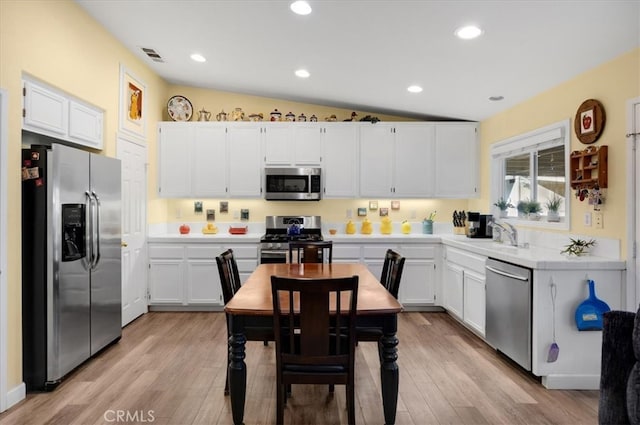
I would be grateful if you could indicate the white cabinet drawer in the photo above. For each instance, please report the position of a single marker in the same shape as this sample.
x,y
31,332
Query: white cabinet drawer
x,y
203,251
376,251
421,252
244,251
468,260
166,251
346,251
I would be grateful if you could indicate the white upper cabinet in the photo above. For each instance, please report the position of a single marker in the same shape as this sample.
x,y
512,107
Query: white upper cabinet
x,y
292,143
213,160
245,160
85,125
340,160
45,110
53,113
413,156
306,141
376,160
208,161
174,160
396,160
456,160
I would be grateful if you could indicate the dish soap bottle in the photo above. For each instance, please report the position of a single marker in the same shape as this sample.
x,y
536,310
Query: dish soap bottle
x,y
351,228
406,227
385,226
366,227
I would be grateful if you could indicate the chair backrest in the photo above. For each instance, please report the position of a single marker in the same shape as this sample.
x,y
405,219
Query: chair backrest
x,y
392,272
229,276
310,252
308,328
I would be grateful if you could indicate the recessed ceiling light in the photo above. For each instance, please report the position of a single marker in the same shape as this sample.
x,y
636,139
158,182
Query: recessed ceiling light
x,y
468,32
302,73
300,7
414,89
496,98
198,57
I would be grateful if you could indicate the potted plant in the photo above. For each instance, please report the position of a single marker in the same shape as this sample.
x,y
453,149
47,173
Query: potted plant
x,y
533,210
503,205
553,205
522,208
578,247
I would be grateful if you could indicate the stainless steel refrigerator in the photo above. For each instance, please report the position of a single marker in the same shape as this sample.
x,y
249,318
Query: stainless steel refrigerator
x,y
71,259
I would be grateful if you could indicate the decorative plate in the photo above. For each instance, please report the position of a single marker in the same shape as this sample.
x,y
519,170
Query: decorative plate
x,y
589,121
179,108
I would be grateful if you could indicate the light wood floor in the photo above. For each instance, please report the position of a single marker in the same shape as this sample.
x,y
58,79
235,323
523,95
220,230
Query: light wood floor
x,y
169,368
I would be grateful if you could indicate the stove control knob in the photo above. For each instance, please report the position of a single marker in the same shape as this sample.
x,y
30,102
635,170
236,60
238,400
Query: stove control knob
x,y
276,246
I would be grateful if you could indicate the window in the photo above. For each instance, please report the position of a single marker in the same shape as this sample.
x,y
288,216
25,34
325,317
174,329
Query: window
x,y
531,170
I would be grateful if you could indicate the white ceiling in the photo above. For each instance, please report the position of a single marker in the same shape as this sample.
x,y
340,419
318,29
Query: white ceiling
x,y
364,54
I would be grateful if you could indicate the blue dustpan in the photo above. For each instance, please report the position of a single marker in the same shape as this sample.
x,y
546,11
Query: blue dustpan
x,y
589,312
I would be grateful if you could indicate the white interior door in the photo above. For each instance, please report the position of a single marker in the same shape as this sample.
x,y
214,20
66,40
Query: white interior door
x,y
134,228
635,174
3,251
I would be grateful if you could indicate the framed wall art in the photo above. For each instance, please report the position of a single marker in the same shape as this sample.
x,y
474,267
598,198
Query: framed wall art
x,y
589,121
133,113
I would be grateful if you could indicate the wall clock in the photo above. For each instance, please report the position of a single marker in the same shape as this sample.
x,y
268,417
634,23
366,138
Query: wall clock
x,y
589,121
179,108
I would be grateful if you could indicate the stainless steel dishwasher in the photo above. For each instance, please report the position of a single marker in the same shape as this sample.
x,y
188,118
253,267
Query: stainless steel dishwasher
x,y
508,320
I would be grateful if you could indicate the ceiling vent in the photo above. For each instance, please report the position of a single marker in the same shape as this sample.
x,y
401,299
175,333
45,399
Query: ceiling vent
x,y
152,54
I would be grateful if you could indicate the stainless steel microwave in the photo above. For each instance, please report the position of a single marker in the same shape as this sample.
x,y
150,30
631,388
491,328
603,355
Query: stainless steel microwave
x,y
293,184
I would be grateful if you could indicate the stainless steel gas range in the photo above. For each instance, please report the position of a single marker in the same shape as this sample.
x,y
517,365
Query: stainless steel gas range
x,y
274,245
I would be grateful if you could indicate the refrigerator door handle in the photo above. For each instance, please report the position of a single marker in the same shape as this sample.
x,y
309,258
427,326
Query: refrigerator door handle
x,y
96,231
89,230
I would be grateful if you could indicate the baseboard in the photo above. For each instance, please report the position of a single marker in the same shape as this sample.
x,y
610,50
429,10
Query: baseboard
x,y
571,382
185,308
16,395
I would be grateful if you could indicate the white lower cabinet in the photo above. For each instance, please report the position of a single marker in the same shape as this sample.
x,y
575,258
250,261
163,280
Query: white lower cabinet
x,y
187,274
464,287
417,285
452,289
474,300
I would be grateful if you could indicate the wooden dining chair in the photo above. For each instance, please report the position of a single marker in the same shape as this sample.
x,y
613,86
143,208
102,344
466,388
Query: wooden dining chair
x,y
310,252
230,282
390,279
392,272
314,324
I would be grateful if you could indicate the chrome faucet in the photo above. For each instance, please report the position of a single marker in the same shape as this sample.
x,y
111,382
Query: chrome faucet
x,y
510,231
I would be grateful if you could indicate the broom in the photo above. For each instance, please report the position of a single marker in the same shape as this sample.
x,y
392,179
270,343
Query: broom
x,y
554,350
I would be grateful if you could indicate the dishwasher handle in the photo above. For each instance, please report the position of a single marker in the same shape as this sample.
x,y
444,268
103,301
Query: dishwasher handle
x,y
503,273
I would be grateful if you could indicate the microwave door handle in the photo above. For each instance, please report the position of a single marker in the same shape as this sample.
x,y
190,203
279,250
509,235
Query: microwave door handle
x,y
96,232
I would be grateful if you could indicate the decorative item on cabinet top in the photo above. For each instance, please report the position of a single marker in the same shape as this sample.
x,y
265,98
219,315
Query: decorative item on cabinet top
x,y
179,108
204,115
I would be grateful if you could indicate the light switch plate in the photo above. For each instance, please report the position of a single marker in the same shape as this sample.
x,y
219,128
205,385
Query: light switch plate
x,y
587,219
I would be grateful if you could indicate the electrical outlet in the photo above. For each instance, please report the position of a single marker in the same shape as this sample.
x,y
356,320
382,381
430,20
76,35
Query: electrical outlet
x,y
236,214
598,220
587,219
178,213
414,214
349,213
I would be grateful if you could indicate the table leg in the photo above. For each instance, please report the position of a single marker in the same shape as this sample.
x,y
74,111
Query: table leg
x,y
389,372
237,370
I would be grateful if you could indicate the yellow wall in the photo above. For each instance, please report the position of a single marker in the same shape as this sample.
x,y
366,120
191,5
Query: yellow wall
x,y
612,83
57,42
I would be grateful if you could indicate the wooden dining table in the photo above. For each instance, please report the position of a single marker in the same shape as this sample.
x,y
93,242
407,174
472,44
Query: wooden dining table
x,y
251,319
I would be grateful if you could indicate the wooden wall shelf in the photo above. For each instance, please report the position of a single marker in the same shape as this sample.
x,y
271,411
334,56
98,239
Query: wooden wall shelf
x,y
589,168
